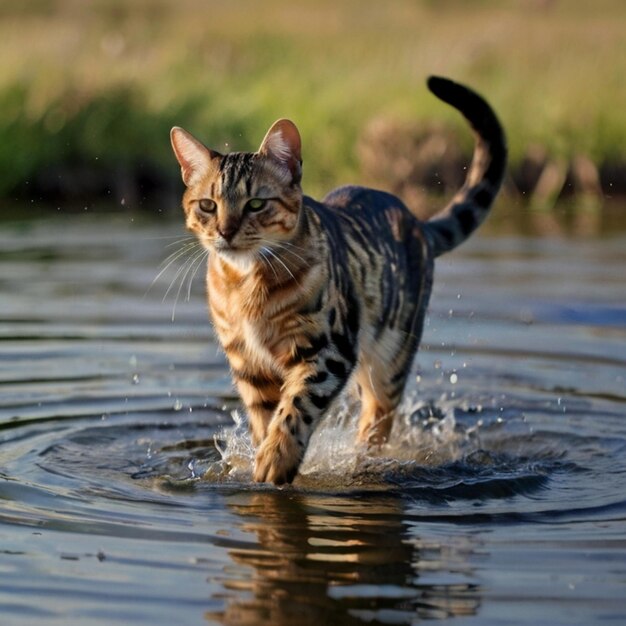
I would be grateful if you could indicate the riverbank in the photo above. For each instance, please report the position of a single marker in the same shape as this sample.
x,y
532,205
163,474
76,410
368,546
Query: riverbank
x,y
88,94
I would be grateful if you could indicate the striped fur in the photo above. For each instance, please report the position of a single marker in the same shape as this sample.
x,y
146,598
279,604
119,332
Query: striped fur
x,y
308,298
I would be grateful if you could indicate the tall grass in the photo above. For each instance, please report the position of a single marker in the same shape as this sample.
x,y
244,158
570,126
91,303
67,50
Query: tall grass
x,y
103,80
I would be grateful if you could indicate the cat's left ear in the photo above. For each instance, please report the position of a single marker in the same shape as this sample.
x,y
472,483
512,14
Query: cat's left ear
x,y
282,143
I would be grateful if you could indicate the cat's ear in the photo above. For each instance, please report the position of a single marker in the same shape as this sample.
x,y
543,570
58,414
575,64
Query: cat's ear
x,y
282,143
194,157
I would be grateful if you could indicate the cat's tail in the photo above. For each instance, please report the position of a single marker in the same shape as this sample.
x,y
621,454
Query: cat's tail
x,y
468,208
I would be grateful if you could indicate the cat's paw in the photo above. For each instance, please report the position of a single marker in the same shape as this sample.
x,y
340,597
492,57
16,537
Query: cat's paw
x,y
374,430
278,459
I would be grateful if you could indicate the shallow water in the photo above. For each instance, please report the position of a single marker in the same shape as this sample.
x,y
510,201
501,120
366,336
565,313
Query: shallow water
x,y
125,492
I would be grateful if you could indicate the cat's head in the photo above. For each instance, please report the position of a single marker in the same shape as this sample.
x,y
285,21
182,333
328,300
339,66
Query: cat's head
x,y
240,202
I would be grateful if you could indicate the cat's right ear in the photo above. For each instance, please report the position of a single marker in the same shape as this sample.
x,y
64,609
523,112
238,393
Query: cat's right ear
x,y
194,157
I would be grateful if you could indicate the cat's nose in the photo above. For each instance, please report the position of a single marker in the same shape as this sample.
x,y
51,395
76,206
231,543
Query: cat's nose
x,y
228,231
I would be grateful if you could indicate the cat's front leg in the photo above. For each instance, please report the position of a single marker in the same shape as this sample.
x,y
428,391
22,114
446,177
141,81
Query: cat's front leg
x,y
280,455
307,394
260,392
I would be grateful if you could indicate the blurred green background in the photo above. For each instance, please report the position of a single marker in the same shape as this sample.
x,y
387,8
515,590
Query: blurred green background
x,y
90,88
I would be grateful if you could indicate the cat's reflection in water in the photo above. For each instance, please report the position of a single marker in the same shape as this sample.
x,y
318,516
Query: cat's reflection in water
x,y
319,559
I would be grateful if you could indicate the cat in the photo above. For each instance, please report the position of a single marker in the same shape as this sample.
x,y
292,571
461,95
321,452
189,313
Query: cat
x,y
309,296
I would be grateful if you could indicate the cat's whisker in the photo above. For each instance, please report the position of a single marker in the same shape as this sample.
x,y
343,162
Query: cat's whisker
x,y
180,270
191,263
161,237
273,254
292,245
186,268
184,248
293,254
200,260
189,239
267,261
172,258
194,264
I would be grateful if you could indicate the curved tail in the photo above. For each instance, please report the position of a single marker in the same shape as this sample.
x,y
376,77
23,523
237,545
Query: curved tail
x,y
468,208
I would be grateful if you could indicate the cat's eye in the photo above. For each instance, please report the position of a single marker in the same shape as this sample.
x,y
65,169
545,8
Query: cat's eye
x,y
206,205
256,204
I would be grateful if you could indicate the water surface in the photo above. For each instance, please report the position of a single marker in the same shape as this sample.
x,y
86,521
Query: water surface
x,y
125,491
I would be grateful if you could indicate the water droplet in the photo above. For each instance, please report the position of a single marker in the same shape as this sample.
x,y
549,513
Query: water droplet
x,y
437,364
454,378
178,405
135,379
191,469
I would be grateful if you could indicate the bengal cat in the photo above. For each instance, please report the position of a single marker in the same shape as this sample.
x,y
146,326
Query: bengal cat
x,y
309,296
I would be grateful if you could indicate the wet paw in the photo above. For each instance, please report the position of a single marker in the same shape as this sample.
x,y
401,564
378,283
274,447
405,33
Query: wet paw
x,y
278,459
374,432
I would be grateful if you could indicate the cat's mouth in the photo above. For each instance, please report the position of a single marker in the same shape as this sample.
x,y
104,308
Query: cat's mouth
x,y
238,255
224,247
242,254
221,246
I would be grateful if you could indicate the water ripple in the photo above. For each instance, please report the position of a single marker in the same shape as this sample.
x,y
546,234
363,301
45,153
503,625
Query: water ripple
x,y
125,485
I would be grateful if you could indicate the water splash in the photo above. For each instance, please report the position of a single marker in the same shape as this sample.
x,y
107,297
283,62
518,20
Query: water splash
x,y
236,451
423,434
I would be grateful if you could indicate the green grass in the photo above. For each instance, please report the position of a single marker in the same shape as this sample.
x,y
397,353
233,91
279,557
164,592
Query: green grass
x,y
103,81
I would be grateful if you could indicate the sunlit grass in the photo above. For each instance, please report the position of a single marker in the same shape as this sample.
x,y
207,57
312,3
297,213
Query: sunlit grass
x,y
105,79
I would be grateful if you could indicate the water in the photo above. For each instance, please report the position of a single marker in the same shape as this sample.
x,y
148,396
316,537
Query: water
x,y
125,492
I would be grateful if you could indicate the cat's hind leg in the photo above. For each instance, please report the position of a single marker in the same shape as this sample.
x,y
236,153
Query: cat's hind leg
x,y
377,408
382,378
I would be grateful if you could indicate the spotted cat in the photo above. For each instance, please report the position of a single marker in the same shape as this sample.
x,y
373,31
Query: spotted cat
x,y
308,297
